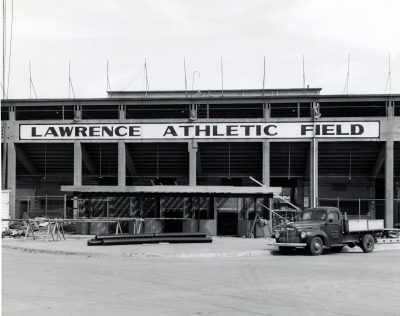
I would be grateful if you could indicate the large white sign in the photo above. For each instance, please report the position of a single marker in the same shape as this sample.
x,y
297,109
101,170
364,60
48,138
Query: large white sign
x,y
200,130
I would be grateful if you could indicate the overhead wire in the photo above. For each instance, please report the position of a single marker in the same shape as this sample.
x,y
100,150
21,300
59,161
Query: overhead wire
x,y
134,79
70,86
389,79
11,38
31,85
4,91
4,47
108,87
346,85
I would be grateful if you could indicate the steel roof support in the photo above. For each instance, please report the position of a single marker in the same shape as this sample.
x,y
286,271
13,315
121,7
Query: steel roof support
x,y
22,156
130,164
88,162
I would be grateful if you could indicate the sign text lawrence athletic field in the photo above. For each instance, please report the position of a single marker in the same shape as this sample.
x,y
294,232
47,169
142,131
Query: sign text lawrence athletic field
x,y
199,130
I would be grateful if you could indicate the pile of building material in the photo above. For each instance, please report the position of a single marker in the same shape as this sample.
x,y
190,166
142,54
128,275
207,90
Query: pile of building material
x,y
127,239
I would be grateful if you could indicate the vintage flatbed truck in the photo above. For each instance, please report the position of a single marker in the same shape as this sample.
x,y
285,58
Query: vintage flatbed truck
x,y
326,227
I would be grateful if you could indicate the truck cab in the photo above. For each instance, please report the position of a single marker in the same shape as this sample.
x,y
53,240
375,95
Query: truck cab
x,y
325,227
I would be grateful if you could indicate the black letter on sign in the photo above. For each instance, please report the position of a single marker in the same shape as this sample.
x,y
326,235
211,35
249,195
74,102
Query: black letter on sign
x,y
118,131
51,131
170,130
267,130
357,129
34,132
305,129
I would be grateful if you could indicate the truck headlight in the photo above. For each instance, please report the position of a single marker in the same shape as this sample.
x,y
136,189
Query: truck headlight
x,y
277,235
303,235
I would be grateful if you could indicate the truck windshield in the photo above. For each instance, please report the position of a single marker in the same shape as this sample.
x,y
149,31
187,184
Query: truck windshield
x,y
314,215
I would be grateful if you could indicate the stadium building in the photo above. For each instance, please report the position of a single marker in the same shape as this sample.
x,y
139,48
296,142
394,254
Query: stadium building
x,y
182,160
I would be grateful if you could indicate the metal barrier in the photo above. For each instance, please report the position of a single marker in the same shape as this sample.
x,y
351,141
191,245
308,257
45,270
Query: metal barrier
x,y
42,205
364,208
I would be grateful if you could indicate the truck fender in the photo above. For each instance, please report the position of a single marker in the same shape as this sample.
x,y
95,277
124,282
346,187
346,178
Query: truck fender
x,y
319,233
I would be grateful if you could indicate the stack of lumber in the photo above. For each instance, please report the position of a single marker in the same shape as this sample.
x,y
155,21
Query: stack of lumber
x,y
127,239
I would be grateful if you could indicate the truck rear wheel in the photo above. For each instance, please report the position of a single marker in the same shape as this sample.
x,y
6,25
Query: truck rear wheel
x,y
367,243
316,246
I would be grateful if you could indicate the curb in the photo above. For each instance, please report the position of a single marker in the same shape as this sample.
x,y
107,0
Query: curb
x,y
256,253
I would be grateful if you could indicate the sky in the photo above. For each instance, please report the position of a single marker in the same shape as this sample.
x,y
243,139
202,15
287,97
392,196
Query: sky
x,y
50,33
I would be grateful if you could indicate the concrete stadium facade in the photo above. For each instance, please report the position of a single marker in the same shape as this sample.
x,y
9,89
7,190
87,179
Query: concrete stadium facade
x,y
101,157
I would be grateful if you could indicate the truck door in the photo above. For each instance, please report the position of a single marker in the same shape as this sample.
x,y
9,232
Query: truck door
x,y
334,228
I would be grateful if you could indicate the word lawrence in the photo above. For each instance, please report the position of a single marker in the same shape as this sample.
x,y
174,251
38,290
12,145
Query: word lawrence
x,y
200,130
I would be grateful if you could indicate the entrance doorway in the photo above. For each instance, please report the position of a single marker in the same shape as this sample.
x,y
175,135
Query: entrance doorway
x,y
227,224
172,224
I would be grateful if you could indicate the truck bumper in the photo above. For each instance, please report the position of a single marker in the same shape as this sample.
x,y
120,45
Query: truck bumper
x,y
289,244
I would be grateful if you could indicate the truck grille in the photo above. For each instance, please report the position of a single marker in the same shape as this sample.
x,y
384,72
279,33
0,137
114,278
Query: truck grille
x,y
289,236
284,239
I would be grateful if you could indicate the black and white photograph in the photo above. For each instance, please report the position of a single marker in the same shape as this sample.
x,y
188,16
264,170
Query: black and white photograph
x,y
190,157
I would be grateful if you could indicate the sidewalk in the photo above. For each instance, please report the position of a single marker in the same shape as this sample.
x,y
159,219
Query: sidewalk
x,y
220,247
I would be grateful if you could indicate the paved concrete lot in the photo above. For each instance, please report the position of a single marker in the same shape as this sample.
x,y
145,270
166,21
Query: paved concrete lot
x,y
332,284
220,247
226,246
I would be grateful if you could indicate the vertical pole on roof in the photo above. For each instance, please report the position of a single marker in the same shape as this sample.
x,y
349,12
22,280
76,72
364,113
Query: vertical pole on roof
x,y
30,81
108,85
263,86
146,78
45,208
222,77
304,76
346,85
184,70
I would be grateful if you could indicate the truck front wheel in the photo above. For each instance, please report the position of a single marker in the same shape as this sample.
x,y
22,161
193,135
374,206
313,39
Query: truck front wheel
x,y
367,243
316,246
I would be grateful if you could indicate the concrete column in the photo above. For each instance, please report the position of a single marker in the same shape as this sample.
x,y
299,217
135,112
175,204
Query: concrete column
x,y
192,148
389,185
4,157
372,204
121,164
77,163
121,109
267,110
11,176
266,163
313,172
